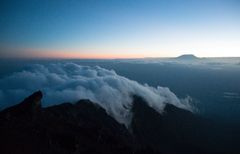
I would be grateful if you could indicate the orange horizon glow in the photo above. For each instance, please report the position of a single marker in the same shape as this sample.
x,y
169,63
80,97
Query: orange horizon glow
x,y
27,53
54,54
87,56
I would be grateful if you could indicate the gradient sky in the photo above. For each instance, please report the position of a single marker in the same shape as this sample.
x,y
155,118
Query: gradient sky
x,y
119,28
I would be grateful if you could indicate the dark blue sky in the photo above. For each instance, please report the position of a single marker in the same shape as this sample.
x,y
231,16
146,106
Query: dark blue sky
x,y
120,28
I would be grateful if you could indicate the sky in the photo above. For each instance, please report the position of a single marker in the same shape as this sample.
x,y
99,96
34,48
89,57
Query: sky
x,y
119,28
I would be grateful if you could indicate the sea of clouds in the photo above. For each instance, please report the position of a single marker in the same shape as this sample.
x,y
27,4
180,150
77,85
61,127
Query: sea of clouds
x,y
70,82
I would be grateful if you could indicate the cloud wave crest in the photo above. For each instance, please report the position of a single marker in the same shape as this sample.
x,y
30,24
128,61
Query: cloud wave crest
x,y
70,82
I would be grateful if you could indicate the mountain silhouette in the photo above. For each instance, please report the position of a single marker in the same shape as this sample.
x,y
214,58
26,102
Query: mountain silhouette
x,y
85,127
187,57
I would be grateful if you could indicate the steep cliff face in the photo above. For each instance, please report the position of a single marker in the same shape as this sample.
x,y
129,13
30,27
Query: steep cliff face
x,y
85,127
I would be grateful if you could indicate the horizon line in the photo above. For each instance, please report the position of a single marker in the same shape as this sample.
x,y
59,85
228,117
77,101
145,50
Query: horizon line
x,y
108,58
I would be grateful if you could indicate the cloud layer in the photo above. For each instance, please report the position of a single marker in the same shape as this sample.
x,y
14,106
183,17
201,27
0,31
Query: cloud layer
x,y
70,82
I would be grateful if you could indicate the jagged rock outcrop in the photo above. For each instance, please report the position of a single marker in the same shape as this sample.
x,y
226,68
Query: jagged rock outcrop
x,y
29,107
85,127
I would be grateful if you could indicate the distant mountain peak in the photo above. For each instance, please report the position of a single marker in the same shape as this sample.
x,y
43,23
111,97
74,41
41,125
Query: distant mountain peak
x,y
187,57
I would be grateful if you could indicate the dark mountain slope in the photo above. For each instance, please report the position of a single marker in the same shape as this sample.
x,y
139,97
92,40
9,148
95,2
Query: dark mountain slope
x,y
66,128
180,131
85,127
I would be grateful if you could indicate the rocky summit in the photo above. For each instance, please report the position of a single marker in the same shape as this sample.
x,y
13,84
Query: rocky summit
x,y
85,127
